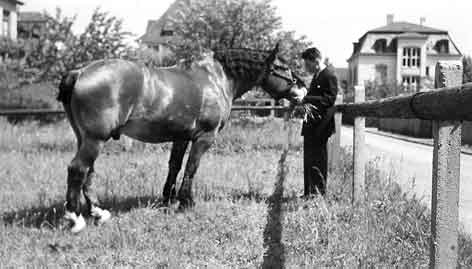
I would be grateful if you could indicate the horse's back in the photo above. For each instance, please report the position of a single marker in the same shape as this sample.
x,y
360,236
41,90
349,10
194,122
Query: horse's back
x,y
116,97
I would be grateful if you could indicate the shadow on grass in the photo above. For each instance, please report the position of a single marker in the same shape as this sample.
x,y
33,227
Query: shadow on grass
x,y
51,216
274,257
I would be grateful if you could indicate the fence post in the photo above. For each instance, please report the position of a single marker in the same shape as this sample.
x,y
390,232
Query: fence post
x,y
359,156
446,177
272,111
286,113
335,140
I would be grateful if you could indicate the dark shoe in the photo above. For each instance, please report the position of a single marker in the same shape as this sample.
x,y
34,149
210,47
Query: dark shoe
x,y
308,196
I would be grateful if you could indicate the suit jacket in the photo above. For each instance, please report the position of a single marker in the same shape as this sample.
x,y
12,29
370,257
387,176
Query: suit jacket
x,y
322,93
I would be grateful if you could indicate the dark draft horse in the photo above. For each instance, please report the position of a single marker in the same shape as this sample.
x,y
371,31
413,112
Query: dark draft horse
x,y
109,98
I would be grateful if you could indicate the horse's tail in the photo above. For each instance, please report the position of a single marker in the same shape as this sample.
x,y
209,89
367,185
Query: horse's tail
x,y
66,86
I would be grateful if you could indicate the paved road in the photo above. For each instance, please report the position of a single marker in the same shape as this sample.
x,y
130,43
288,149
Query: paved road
x,y
411,166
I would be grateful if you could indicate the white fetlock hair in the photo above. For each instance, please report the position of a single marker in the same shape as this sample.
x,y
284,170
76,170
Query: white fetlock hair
x,y
102,215
78,222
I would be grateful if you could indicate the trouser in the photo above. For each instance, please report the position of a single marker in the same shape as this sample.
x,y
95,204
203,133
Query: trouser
x,y
315,165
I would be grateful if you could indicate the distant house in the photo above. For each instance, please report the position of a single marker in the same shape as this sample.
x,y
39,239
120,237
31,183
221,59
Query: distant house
x,y
8,18
400,52
159,33
342,75
31,25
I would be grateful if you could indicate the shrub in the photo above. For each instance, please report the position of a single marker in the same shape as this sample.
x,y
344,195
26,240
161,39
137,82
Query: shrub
x,y
32,67
31,96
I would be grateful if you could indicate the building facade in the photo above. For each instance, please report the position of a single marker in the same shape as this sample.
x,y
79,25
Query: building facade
x,y
400,53
9,18
159,33
31,25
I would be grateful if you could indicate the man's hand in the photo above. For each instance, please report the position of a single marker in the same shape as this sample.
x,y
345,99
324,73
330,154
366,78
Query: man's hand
x,y
299,94
306,111
298,110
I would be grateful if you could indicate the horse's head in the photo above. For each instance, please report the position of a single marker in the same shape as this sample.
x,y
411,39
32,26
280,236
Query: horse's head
x,y
279,80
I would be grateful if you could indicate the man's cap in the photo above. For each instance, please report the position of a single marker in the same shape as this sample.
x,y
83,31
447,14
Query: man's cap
x,y
311,54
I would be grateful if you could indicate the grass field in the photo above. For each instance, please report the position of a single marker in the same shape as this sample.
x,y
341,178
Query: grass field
x,y
244,217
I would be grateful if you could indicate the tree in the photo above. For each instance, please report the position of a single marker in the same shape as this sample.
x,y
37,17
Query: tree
x,y
291,49
207,24
103,38
44,57
467,65
58,50
203,25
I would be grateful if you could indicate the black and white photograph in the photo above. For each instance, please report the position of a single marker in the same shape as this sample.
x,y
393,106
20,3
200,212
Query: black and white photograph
x,y
235,134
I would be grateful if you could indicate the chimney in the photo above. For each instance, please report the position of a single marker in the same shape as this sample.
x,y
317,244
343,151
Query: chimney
x,y
422,20
389,19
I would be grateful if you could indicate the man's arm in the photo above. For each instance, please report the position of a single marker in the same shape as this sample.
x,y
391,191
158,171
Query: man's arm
x,y
328,95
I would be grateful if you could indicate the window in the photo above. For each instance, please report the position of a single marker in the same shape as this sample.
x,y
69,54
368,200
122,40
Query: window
x,y
411,57
427,71
393,45
5,23
167,32
442,46
410,83
380,45
381,74
355,76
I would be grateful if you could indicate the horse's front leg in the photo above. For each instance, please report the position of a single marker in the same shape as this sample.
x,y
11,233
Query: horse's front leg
x,y
199,146
175,164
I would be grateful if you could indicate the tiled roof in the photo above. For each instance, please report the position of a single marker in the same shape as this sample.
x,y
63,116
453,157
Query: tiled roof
x,y
31,17
412,35
16,2
400,27
154,27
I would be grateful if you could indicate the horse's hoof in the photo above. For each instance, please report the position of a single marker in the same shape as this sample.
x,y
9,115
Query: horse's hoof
x,y
186,203
164,203
168,201
101,215
78,222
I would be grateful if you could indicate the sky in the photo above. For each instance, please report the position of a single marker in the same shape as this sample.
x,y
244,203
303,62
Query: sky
x,y
331,25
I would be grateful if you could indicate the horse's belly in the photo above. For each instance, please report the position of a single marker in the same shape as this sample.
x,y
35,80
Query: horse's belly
x,y
157,132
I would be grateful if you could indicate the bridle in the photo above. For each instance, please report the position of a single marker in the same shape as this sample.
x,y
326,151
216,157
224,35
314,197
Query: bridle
x,y
291,78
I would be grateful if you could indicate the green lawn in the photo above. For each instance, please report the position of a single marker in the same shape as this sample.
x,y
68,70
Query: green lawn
x,y
238,221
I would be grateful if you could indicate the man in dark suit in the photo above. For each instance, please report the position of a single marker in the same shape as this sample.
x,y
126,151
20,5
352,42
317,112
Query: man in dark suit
x,y
317,129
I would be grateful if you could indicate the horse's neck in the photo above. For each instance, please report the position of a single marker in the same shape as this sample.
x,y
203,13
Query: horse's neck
x,y
240,87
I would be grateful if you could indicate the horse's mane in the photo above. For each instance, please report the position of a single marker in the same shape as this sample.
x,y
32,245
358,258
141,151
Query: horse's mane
x,y
242,63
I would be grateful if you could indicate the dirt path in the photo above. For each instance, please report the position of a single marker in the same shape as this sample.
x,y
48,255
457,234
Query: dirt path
x,y
411,165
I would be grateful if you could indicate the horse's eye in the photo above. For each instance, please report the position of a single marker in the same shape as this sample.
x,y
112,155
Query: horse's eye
x,y
281,67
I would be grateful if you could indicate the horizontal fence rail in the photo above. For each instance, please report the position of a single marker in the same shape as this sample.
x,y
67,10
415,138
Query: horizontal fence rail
x,y
30,112
51,112
443,104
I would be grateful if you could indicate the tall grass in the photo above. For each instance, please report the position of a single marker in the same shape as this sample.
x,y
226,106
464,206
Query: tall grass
x,y
231,225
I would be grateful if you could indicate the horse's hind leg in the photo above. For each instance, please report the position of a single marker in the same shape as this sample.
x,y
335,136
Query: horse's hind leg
x,y
175,164
199,147
91,198
78,171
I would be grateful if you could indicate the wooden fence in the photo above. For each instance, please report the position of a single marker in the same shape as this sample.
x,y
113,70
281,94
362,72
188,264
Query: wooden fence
x,y
252,105
447,106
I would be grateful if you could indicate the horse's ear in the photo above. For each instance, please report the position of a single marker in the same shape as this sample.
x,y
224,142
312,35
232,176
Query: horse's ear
x,y
274,53
277,48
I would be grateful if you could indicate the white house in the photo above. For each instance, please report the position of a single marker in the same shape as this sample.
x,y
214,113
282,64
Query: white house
x,y
400,52
8,18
